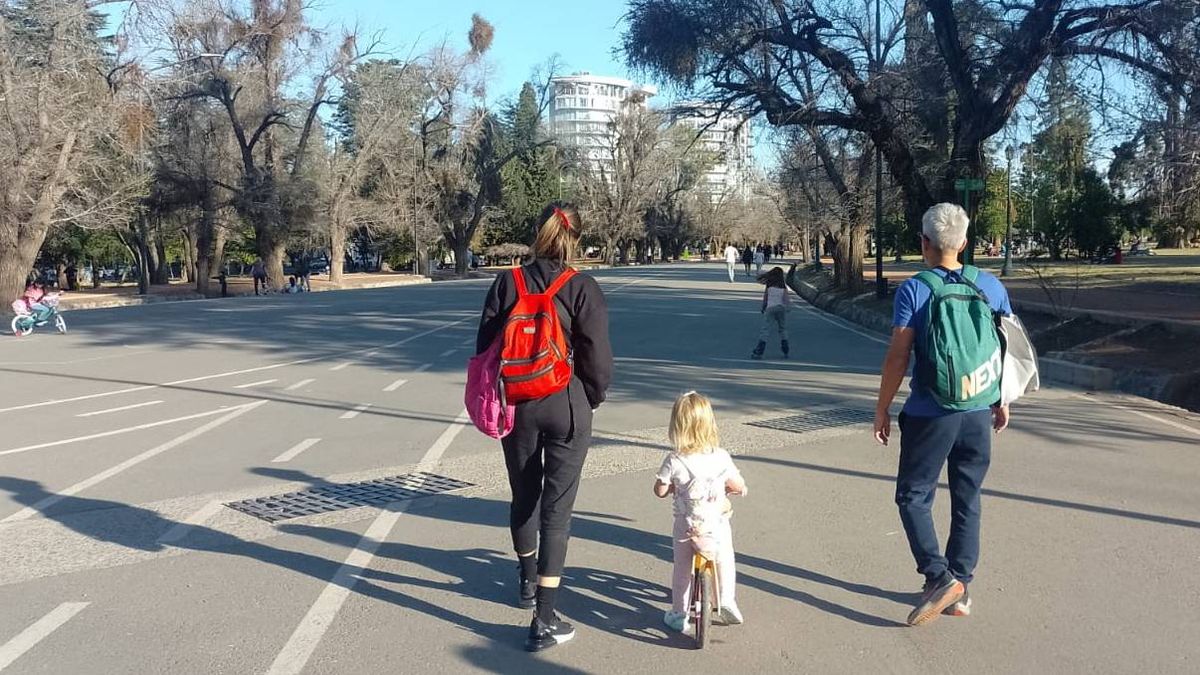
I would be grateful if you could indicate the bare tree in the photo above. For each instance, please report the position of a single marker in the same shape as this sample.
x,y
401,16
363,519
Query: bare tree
x,y
58,124
251,58
620,175
753,55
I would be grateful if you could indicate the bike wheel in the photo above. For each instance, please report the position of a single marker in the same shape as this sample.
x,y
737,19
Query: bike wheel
x,y
20,327
706,596
61,324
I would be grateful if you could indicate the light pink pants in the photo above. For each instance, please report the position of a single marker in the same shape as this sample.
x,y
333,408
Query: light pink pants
x,y
681,574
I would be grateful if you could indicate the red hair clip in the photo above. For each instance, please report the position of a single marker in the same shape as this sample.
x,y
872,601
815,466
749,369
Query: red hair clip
x,y
562,216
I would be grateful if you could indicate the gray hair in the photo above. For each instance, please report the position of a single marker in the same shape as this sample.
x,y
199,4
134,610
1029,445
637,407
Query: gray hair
x,y
945,226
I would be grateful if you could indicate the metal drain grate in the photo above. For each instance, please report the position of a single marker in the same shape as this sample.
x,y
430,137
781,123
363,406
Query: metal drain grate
x,y
819,419
339,496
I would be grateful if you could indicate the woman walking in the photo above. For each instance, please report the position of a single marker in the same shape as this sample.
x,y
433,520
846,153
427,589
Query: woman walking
x,y
549,442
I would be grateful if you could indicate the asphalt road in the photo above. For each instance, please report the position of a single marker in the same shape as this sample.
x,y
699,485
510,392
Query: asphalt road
x,y
125,438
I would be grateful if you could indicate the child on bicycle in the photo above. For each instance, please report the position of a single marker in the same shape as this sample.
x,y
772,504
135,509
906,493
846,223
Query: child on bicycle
x,y
700,475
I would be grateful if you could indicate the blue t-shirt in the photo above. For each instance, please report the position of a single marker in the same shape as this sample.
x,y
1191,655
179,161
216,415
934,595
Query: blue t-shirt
x,y
909,312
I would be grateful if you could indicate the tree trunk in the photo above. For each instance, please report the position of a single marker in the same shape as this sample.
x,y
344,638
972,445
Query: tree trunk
x,y
161,271
19,246
272,255
858,247
95,273
204,242
461,257
219,237
337,255
186,267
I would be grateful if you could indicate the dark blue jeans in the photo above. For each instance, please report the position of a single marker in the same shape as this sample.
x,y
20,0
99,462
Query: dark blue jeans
x,y
963,441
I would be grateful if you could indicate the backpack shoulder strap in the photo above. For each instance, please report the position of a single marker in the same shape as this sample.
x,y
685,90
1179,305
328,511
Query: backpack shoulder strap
x,y
560,281
933,281
519,280
968,275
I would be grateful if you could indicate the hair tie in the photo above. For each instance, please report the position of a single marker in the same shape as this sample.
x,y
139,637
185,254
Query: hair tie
x,y
562,216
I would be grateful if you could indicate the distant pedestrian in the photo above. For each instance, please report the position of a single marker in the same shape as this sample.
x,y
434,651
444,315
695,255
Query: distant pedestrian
x,y
748,258
731,260
700,474
759,259
952,410
294,287
775,303
545,451
259,272
766,254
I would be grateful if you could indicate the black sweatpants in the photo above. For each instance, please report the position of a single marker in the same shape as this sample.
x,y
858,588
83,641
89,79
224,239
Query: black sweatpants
x,y
545,454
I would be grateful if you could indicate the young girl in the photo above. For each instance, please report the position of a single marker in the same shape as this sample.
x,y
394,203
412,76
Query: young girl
x,y
774,308
700,475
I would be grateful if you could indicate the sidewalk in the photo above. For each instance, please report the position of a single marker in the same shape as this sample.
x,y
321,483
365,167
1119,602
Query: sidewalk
x,y
124,295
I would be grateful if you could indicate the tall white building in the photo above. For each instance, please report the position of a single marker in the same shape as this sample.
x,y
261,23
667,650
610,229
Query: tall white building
x,y
727,136
583,107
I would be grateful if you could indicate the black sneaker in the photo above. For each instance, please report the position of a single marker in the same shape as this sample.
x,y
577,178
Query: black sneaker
x,y
937,596
528,592
544,636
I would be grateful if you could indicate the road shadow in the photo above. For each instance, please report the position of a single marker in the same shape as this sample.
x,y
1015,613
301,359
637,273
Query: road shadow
x,y
1001,494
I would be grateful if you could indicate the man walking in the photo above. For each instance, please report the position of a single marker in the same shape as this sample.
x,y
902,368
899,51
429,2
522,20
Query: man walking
x,y
945,316
731,260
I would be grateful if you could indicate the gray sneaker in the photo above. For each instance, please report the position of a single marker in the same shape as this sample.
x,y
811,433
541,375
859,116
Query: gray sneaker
x,y
960,608
937,596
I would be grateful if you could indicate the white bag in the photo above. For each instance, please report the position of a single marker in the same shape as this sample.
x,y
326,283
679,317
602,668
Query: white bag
x,y
1020,370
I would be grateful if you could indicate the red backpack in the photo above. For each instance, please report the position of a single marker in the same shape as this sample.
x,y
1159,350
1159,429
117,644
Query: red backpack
x,y
536,359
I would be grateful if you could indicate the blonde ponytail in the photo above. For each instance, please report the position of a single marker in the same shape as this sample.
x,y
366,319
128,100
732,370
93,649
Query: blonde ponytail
x,y
558,237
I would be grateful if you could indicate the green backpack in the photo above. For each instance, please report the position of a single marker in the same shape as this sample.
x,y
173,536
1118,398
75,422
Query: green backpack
x,y
960,358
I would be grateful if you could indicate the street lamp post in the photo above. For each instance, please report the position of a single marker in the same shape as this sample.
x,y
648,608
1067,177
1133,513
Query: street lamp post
x,y
1007,269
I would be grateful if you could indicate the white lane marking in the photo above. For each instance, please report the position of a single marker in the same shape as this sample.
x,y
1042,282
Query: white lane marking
x,y
1155,418
296,450
841,324
422,368
179,530
623,286
156,386
448,352
131,462
114,432
231,373
112,410
25,640
373,352
254,384
351,414
301,383
342,365
396,385
300,646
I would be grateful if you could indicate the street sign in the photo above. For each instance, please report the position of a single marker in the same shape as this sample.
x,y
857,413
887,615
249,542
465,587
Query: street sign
x,y
969,184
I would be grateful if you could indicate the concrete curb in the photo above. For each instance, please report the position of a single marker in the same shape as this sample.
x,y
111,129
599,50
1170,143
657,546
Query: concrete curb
x,y
1108,317
1053,367
838,305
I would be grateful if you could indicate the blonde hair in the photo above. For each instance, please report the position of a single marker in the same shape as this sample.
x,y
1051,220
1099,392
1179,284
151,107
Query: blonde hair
x,y
693,425
558,237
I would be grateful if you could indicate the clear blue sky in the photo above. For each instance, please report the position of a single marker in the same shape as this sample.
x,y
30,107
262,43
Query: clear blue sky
x,y
528,32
